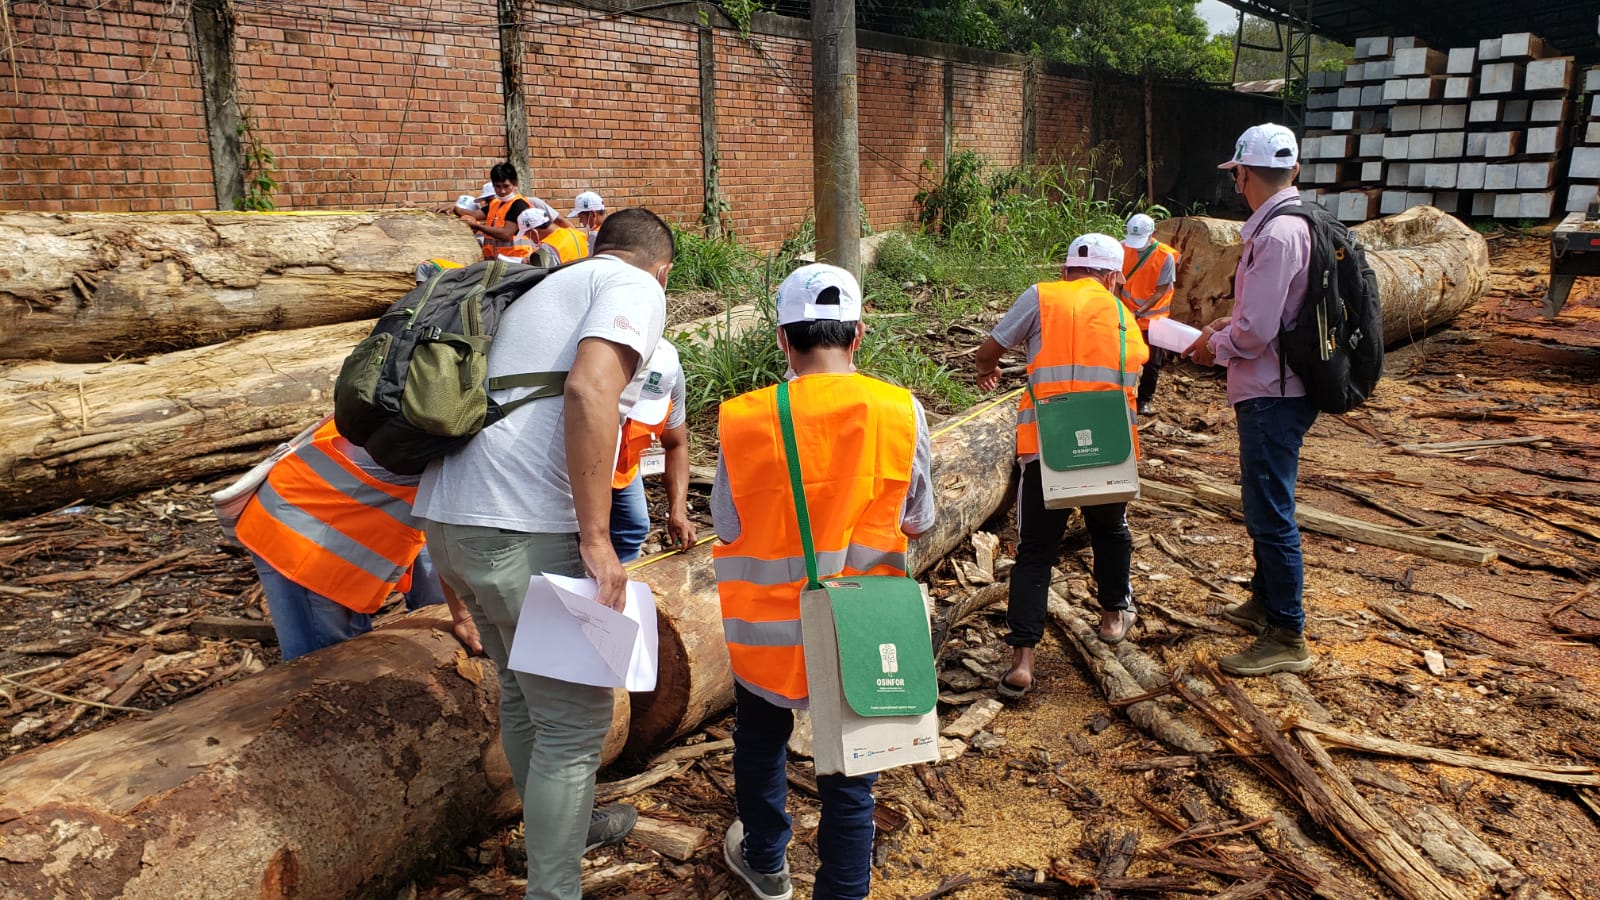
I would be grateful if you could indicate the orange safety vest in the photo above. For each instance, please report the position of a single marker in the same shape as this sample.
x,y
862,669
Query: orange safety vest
x,y
1078,351
495,217
568,243
636,438
856,438
333,527
1139,292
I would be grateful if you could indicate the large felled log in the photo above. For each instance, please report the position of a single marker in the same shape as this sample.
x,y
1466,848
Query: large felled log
x,y
79,287
331,776
70,431
96,431
1430,268
973,456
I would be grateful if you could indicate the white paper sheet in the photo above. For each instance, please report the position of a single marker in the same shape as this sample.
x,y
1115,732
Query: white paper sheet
x,y
1170,334
563,633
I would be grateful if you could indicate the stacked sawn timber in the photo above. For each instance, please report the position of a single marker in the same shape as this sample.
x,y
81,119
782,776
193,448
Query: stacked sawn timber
x,y
1471,130
1584,173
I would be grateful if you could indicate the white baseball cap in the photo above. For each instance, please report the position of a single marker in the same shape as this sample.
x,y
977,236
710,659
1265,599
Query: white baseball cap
x,y
836,288
1095,251
533,217
1140,228
1266,146
488,190
588,201
661,375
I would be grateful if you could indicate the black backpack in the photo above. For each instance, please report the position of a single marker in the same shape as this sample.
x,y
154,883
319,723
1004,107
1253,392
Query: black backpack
x,y
417,387
1336,342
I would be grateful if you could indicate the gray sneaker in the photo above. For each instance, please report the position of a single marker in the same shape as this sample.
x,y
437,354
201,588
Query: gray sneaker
x,y
774,886
610,824
1247,615
1114,623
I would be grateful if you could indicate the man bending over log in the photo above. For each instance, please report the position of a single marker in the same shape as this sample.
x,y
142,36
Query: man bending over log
x,y
864,455
532,494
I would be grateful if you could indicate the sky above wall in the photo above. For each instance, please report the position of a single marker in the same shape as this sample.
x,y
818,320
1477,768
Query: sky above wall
x,y
1219,16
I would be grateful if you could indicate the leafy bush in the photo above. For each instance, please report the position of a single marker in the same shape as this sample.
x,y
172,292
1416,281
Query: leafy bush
x,y
716,264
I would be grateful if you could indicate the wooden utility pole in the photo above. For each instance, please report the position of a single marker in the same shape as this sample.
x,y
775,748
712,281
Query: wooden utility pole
x,y
835,139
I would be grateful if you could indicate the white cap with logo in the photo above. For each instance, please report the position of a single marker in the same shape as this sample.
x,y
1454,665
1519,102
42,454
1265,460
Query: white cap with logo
x,y
533,217
1095,251
1266,146
588,201
488,190
820,292
1139,230
661,374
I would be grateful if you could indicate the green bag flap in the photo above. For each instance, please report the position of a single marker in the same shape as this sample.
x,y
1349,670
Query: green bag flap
x,y
885,654
1084,429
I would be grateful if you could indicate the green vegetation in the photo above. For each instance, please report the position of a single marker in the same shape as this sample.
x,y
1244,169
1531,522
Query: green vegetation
x,y
1256,64
986,234
1166,37
259,168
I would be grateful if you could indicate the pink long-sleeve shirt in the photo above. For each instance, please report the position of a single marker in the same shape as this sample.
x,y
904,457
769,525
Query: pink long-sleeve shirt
x,y
1269,286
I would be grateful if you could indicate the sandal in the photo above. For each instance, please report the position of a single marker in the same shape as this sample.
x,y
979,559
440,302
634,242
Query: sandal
x,y
1008,691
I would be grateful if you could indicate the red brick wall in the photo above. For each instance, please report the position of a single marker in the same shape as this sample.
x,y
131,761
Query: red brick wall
x,y
901,110
370,103
614,107
1062,116
987,110
764,134
373,114
103,111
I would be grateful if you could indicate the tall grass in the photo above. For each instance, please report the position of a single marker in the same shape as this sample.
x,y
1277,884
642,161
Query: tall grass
x,y
714,264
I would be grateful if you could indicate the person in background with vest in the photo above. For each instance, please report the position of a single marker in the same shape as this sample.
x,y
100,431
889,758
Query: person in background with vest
x,y
1149,271
331,535
655,429
865,458
590,212
1074,331
532,493
1269,399
537,229
494,218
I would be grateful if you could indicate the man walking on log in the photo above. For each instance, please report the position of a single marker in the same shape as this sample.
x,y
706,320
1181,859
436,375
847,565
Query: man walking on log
x,y
865,459
1077,340
1269,399
532,494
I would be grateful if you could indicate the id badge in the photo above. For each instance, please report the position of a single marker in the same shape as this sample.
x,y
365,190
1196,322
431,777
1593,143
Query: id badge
x,y
653,461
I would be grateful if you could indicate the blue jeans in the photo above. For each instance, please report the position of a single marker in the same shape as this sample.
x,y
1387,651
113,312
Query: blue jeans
x,y
307,621
761,787
630,519
1271,430
552,731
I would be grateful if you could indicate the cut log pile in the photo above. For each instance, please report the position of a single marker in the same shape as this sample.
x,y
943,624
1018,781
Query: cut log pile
x,y
1480,131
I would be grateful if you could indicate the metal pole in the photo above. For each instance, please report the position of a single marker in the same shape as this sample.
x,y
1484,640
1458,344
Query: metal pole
x,y
835,141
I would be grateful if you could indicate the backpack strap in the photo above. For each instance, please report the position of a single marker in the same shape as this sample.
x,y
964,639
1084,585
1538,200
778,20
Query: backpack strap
x,y
1299,210
791,456
544,384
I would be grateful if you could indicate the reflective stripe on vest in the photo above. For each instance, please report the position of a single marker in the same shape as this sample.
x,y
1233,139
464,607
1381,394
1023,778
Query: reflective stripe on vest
x,y
495,217
333,527
856,437
636,438
1140,293
1078,350
568,243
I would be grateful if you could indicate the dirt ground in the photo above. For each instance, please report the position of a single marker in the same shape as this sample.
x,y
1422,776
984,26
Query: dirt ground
x,y
1064,778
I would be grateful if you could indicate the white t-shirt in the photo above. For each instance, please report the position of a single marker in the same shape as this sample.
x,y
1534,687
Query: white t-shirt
x,y
513,474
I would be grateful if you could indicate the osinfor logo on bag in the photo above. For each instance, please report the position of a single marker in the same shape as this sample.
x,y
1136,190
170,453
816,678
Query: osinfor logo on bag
x,y
889,657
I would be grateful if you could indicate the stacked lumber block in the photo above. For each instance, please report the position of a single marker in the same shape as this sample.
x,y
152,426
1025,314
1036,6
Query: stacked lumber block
x,y
1475,131
1583,174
